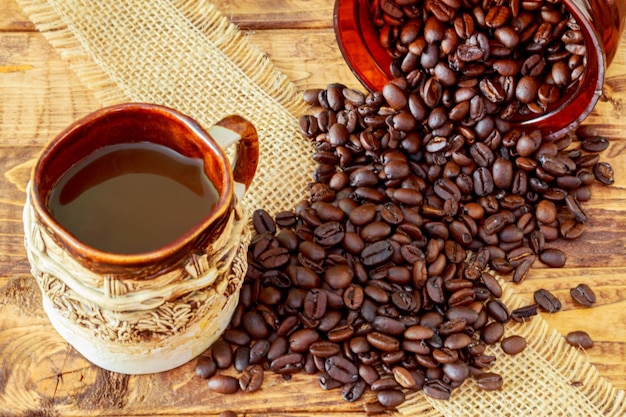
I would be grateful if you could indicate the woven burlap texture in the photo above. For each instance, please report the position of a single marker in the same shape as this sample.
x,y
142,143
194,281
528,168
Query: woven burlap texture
x,y
186,55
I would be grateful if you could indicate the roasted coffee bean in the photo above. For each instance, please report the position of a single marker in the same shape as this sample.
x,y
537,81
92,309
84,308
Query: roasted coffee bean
x,y
255,325
383,341
341,369
457,371
327,383
579,339
236,336
489,381
523,314
285,219
302,339
287,363
352,391
258,351
205,367
554,258
222,353
338,276
273,257
390,397
437,389
241,357
492,332
324,348
375,408
251,378
512,345
498,311
435,290
353,297
583,295
575,208
604,173
377,253
328,234
388,325
547,301
263,222
223,384
595,144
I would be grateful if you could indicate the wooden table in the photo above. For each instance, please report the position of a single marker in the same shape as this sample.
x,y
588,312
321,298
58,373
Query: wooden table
x,y
40,374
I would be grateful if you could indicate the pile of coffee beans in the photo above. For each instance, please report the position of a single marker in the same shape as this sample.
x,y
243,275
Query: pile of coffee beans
x,y
511,58
383,279
365,307
486,186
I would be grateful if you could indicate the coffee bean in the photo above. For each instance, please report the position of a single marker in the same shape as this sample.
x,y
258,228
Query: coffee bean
x,y
223,384
222,353
341,369
254,325
512,345
489,381
251,378
263,222
437,389
554,258
583,295
498,311
205,367
352,391
523,314
287,363
595,144
383,341
547,301
273,257
492,333
377,253
375,408
604,173
241,357
390,397
258,351
579,338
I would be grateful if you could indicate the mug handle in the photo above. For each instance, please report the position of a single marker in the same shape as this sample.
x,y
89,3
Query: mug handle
x,y
236,129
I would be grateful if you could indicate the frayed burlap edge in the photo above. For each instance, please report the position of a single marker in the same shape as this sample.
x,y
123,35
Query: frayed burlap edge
x,y
571,385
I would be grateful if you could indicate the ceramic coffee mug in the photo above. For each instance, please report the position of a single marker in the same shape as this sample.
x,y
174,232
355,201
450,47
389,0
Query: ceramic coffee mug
x,y
152,310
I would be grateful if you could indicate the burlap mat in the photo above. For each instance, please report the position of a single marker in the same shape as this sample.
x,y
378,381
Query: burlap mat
x,y
186,55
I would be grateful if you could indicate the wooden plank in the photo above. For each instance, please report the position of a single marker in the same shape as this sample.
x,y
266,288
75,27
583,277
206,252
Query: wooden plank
x,y
310,59
247,14
283,14
12,19
43,375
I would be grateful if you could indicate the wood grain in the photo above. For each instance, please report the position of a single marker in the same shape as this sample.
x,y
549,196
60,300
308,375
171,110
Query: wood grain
x,y
41,375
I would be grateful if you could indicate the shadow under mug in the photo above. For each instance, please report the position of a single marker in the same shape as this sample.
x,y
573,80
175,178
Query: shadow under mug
x,y
200,272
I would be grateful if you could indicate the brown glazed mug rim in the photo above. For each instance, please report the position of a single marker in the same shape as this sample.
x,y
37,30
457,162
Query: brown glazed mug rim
x,y
111,262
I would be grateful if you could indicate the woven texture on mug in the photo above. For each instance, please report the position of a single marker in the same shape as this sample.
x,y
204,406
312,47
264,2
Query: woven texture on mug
x,y
129,311
185,54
